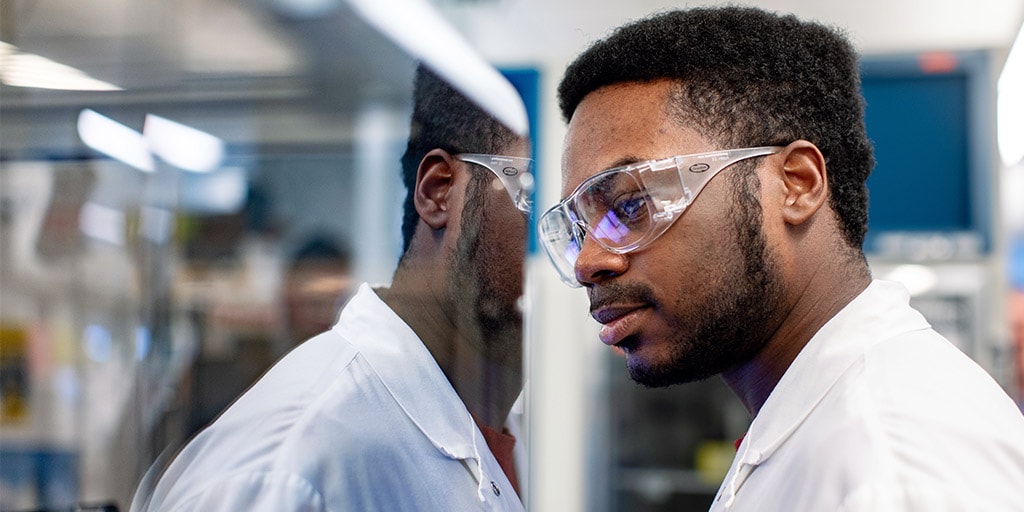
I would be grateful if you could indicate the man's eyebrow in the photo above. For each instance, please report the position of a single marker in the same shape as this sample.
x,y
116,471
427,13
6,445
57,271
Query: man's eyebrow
x,y
621,162
626,160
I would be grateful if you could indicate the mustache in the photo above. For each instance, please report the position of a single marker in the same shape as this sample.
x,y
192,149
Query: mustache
x,y
618,293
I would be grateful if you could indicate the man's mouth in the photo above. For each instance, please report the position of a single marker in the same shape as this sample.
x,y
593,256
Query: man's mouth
x,y
618,321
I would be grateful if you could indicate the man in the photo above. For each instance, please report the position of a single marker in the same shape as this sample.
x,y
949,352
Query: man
x,y
857,403
400,405
316,283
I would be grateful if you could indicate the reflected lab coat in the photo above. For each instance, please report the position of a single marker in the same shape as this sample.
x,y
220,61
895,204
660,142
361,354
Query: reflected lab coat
x,y
359,418
879,413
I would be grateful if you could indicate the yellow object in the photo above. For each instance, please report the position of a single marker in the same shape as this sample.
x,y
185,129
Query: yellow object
x,y
13,373
712,460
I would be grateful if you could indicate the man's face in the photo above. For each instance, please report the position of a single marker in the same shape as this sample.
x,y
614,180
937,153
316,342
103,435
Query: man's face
x,y
701,298
314,290
486,276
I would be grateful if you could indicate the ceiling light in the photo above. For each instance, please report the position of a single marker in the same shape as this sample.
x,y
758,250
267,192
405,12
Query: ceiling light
x,y
115,140
183,146
21,69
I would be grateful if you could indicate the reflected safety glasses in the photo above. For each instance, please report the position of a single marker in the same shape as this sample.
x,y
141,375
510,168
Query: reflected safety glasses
x,y
514,173
626,208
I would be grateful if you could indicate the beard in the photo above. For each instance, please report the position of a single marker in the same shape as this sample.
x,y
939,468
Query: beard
x,y
486,280
733,323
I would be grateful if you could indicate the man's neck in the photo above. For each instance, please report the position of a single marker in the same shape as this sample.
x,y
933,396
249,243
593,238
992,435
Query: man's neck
x,y
488,388
822,297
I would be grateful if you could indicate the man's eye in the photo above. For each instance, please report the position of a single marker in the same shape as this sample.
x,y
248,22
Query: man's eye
x,y
631,209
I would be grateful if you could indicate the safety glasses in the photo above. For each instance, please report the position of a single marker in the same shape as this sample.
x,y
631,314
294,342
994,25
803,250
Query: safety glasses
x,y
514,173
626,208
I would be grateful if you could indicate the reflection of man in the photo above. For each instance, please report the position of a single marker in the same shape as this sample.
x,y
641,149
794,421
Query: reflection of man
x,y
401,405
857,403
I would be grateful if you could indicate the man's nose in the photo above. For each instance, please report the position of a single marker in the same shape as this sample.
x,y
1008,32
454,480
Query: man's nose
x,y
595,264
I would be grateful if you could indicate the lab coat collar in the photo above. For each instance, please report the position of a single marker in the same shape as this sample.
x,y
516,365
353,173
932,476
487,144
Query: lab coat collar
x,y
410,373
881,311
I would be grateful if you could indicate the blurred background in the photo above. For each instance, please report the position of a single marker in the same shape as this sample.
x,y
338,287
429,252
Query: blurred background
x,y
189,188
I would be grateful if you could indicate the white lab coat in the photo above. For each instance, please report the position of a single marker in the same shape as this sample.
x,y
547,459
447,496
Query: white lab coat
x,y
359,418
880,413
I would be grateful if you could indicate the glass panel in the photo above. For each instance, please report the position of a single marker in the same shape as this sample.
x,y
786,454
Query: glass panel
x,y
189,190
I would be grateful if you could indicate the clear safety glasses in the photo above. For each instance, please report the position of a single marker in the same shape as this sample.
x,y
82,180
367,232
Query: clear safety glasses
x,y
626,208
514,173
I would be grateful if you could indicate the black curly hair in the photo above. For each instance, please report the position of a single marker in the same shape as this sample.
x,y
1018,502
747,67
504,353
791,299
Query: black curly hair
x,y
444,118
747,77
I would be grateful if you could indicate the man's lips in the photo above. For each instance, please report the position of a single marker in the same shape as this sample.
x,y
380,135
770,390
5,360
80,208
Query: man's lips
x,y
618,321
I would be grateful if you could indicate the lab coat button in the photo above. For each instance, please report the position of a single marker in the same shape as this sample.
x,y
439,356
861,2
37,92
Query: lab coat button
x,y
494,487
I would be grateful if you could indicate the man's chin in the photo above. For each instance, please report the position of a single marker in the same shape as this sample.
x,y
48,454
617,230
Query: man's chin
x,y
643,371
660,374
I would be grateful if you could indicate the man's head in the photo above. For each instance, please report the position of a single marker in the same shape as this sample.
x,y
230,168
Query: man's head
x,y
463,226
316,283
443,118
758,106
745,77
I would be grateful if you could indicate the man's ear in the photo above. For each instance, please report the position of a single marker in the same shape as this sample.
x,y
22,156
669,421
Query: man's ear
x,y
806,181
434,180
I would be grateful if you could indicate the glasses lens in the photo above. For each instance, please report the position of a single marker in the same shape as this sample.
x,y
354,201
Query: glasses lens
x,y
616,209
562,241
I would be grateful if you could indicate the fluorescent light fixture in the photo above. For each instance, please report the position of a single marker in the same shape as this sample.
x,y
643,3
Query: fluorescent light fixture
x,y
1010,105
115,140
21,69
416,27
183,146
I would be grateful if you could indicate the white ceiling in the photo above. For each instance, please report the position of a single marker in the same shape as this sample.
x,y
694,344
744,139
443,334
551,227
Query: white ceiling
x,y
240,33
531,30
167,50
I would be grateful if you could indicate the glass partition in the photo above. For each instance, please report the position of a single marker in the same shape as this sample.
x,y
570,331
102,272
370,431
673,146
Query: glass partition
x,y
191,189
